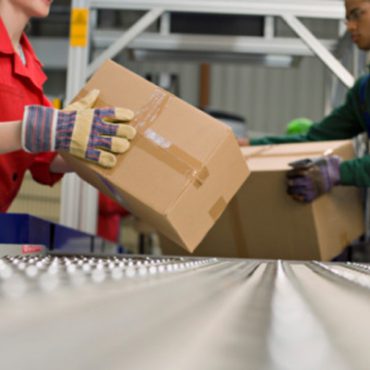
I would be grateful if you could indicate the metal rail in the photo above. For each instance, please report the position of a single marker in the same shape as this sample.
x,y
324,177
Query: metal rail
x,y
310,9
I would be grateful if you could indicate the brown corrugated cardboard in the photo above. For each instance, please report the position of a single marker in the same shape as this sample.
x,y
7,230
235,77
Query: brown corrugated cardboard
x,y
183,167
262,221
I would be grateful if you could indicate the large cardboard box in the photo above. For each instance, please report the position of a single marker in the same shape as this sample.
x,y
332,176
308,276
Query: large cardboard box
x,y
262,221
182,169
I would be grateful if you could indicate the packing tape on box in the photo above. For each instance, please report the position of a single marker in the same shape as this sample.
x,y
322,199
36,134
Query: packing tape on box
x,y
155,144
258,151
264,151
217,209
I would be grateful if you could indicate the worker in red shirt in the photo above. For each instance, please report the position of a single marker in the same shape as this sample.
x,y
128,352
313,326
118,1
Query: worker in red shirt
x,y
31,131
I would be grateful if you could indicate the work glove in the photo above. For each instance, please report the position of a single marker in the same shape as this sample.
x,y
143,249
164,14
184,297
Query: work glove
x,y
310,178
95,135
86,102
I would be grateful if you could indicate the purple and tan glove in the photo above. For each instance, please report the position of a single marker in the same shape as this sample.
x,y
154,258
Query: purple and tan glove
x,y
311,178
92,134
86,102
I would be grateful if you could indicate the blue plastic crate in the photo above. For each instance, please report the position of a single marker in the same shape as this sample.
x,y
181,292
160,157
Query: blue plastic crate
x,y
24,229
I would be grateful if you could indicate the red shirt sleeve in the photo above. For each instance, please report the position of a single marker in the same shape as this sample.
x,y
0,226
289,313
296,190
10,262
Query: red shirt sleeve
x,y
40,169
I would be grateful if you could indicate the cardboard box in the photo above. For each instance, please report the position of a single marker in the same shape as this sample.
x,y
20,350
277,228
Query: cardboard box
x,y
182,169
262,221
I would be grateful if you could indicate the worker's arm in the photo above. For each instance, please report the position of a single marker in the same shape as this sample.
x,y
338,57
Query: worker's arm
x,y
343,123
356,172
10,133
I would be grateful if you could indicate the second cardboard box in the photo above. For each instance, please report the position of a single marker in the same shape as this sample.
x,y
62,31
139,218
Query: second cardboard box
x,y
262,221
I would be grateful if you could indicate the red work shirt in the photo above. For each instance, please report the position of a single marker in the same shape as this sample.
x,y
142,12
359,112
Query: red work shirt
x,y
20,85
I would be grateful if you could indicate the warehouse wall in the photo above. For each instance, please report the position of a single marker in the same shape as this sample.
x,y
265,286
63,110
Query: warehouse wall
x,y
269,97
188,75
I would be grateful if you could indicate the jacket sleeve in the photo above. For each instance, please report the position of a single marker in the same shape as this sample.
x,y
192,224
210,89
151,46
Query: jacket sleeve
x,y
356,172
284,139
40,169
343,123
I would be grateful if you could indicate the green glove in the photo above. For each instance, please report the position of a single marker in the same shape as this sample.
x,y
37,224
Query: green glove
x,y
298,126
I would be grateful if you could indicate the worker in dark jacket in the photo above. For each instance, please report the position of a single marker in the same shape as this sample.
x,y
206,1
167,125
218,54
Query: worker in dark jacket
x,y
305,183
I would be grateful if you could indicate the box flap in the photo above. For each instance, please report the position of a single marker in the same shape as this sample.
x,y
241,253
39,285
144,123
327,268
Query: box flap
x,y
278,157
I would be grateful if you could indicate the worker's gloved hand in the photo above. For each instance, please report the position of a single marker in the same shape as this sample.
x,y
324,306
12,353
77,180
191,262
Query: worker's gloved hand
x,y
310,178
91,134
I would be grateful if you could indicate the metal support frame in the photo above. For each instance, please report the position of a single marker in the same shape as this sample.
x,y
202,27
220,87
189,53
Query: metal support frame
x,y
269,27
139,27
335,66
217,44
323,9
78,200
289,10
54,52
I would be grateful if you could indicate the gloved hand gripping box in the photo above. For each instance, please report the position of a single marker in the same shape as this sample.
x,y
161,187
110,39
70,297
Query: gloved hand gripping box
x,y
183,167
262,221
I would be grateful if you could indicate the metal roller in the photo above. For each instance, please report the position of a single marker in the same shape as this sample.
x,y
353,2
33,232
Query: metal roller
x,y
167,313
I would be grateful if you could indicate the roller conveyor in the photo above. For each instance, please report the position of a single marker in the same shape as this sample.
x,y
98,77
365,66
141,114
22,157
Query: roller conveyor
x,y
167,313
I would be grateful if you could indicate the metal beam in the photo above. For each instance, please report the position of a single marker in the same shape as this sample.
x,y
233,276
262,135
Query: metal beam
x,y
53,52
310,9
223,44
269,31
140,26
79,199
320,50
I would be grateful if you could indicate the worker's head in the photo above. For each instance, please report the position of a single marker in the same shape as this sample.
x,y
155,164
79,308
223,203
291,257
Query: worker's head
x,y
358,22
30,9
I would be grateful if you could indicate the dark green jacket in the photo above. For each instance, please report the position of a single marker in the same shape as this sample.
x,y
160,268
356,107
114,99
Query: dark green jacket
x,y
343,123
